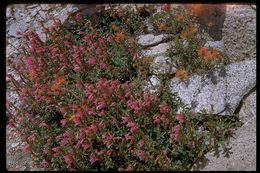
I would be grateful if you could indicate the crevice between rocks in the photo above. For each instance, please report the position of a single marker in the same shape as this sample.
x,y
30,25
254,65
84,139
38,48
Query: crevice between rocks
x,y
237,110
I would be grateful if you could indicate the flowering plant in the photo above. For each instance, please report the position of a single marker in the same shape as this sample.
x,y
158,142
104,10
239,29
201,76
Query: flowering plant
x,y
82,106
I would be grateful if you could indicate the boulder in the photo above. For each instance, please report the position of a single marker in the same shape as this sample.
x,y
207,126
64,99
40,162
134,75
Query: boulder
x,y
219,91
152,84
150,39
162,65
18,26
239,32
157,50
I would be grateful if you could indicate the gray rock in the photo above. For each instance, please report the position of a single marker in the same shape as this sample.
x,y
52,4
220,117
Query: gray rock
x,y
32,6
15,144
150,39
34,12
215,45
8,12
163,65
220,90
239,32
42,14
160,49
28,19
41,34
148,25
152,84
45,7
248,109
62,15
20,26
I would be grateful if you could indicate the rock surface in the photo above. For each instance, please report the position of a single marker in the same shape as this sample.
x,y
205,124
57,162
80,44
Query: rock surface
x,y
239,32
157,50
150,39
152,84
243,151
163,65
223,88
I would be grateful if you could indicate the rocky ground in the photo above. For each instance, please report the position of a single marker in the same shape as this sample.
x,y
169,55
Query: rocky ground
x,y
229,89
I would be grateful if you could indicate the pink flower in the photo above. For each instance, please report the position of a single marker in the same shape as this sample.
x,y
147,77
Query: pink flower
x,y
63,122
130,125
68,160
31,138
78,16
56,149
156,119
141,143
87,38
92,128
175,132
133,127
141,154
101,105
180,117
26,148
107,139
85,146
10,125
93,158
81,33
163,108
109,38
76,120
128,136
92,61
45,163
103,66
125,120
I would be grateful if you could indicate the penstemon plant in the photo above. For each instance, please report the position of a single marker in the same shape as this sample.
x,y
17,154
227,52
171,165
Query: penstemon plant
x,y
82,105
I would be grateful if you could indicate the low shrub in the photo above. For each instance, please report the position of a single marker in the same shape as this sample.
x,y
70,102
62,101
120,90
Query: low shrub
x,y
82,105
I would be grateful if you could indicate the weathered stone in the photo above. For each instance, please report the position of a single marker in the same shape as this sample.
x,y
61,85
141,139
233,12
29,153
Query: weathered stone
x,y
163,65
42,14
41,34
248,109
220,90
20,26
15,144
8,12
239,32
160,49
28,19
152,84
45,7
62,15
215,45
34,11
150,39
32,6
